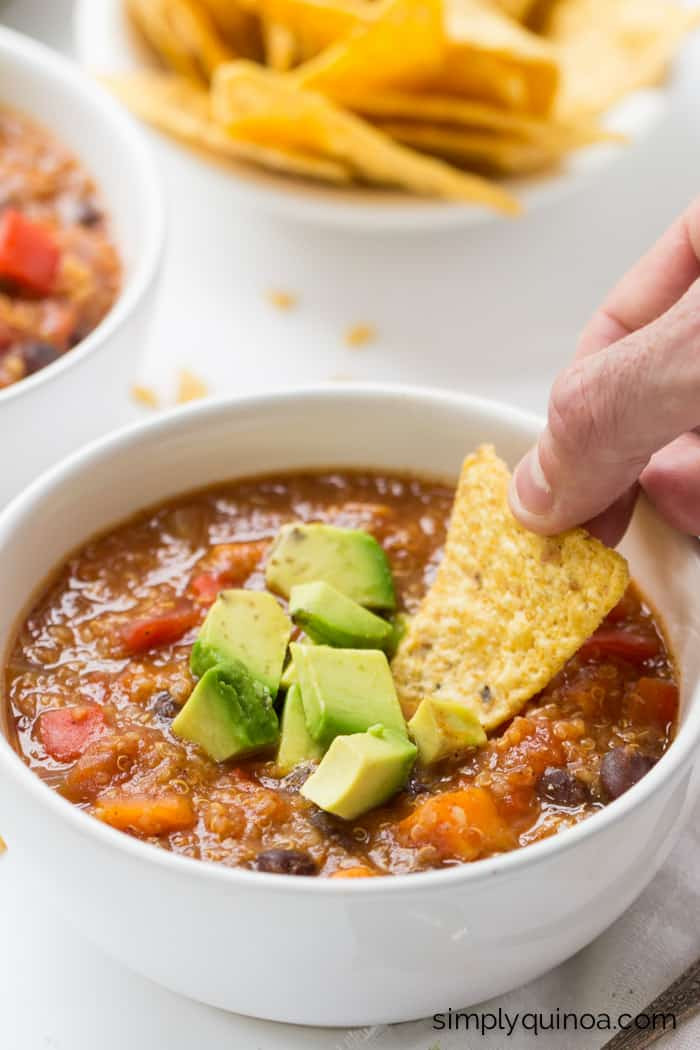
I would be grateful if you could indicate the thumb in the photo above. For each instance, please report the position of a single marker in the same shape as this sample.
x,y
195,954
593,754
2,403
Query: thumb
x,y
608,414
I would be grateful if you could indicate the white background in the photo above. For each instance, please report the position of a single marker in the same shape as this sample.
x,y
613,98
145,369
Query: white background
x,y
493,309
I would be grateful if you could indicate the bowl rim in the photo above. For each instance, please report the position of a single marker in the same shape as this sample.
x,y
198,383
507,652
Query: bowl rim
x,y
673,764
54,69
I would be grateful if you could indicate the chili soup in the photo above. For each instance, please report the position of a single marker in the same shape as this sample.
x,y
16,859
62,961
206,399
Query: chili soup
x,y
59,270
151,685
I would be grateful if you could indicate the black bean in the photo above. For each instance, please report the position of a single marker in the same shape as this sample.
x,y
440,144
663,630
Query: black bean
x,y
561,787
286,862
621,768
78,334
415,786
332,828
83,211
38,355
163,706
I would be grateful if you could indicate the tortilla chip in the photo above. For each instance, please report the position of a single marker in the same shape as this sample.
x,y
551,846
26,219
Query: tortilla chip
x,y
517,9
150,19
193,26
182,34
507,608
609,48
316,24
174,105
238,23
435,109
281,49
258,105
478,150
490,58
485,152
403,46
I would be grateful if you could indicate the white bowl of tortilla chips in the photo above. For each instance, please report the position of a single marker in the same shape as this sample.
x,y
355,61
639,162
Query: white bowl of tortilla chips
x,y
392,113
361,951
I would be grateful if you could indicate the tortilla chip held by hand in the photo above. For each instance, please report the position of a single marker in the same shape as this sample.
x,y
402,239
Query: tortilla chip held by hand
x,y
508,608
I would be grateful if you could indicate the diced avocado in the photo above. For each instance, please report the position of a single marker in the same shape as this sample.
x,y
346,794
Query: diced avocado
x,y
296,743
345,691
329,617
348,559
399,625
360,772
442,727
289,676
248,627
229,714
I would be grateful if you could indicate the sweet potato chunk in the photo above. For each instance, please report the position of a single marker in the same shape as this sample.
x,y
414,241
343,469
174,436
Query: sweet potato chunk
x,y
460,825
143,815
360,872
104,763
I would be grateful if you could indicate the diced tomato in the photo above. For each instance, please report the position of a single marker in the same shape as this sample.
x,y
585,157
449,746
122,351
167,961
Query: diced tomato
x,y
29,256
206,587
145,815
628,645
653,700
66,732
150,632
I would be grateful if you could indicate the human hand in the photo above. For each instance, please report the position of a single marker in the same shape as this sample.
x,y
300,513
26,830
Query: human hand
x,y
626,413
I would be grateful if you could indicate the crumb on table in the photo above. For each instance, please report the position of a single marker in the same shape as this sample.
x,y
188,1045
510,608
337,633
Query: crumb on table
x,y
190,387
282,300
360,335
145,395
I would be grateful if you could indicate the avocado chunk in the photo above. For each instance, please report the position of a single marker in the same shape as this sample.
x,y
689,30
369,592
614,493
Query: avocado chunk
x,y
399,625
345,691
360,772
329,617
229,714
296,743
247,627
348,559
444,727
289,676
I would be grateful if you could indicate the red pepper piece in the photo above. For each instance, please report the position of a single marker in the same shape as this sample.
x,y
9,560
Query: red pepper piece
x,y
65,732
29,255
151,632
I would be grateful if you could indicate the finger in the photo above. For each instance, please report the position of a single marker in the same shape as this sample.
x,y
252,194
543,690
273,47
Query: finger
x,y
608,414
611,524
672,482
650,288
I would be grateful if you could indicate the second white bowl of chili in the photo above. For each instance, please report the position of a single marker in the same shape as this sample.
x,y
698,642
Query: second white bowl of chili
x,y
78,258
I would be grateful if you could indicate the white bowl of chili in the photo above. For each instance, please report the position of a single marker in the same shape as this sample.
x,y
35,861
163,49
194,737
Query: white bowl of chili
x,y
78,259
329,951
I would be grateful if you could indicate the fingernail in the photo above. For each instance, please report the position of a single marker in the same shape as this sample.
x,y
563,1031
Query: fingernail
x,y
530,491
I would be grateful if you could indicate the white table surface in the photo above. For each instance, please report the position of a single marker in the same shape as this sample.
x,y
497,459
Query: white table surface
x,y
493,309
